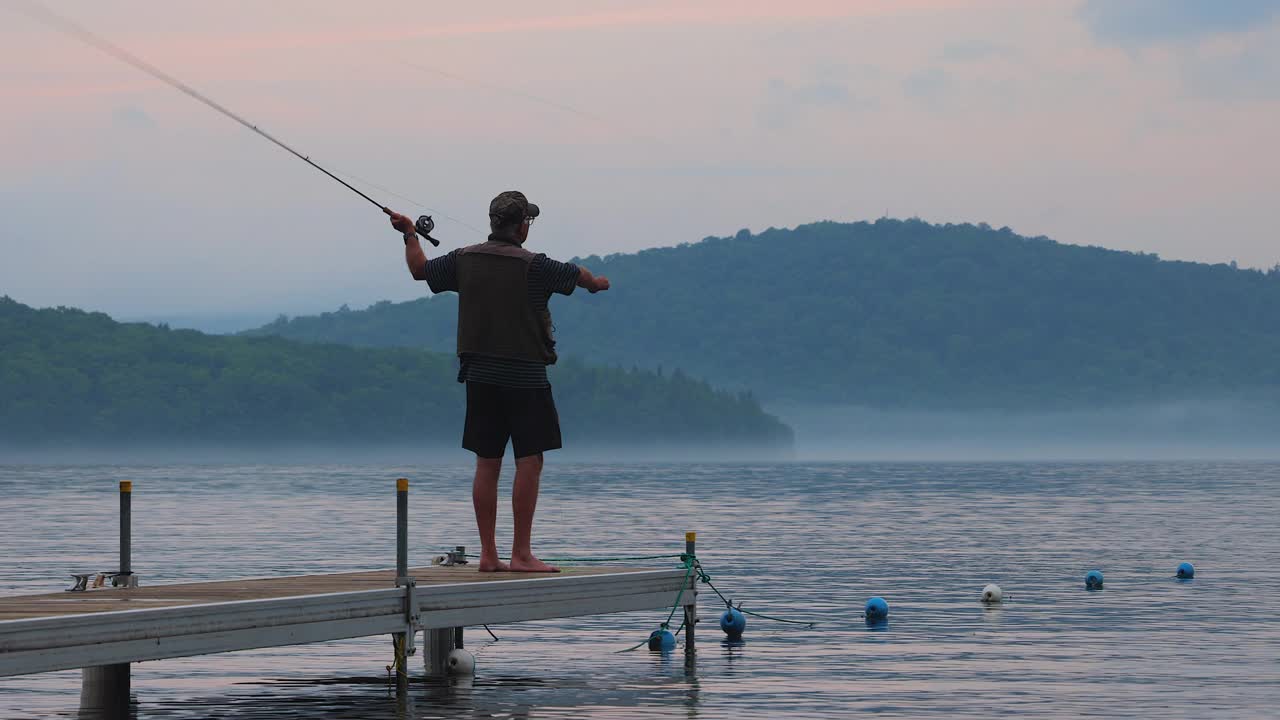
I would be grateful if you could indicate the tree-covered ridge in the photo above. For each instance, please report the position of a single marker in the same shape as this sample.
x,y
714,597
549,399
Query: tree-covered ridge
x,y
900,314
69,377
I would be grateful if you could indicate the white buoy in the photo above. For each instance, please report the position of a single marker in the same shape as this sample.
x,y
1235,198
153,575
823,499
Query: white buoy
x,y
461,662
992,594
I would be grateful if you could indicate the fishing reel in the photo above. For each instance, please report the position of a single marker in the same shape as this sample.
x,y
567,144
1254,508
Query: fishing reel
x,y
424,226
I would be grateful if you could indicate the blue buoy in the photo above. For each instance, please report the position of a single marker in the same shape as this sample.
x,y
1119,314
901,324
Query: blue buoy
x,y
662,641
733,623
1186,571
1093,580
876,610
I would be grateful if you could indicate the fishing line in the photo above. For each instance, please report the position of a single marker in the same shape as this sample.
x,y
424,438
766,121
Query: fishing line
x,y
38,12
504,89
409,200
494,87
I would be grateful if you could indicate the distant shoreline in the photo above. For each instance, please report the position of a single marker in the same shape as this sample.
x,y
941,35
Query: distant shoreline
x,y
425,457
400,454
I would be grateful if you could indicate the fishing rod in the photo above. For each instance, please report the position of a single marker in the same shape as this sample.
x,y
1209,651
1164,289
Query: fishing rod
x,y
424,224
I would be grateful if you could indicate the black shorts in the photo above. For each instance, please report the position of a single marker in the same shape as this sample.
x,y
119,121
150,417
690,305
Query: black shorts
x,y
495,413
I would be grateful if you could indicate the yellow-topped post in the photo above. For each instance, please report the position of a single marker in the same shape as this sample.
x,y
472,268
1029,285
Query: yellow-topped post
x,y
126,529
402,528
690,610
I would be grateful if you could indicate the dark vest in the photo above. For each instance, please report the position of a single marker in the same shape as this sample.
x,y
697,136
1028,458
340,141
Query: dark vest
x,y
495,316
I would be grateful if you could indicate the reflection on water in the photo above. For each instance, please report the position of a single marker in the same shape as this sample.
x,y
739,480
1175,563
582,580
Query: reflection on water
x,y
800,541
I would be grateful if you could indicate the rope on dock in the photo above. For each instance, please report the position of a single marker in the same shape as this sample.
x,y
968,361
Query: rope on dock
x,y
615,559
573,560
396,666
691,564
688,562
688,570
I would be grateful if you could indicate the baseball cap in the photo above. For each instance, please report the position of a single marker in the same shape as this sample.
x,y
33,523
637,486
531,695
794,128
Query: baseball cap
x,y
511,206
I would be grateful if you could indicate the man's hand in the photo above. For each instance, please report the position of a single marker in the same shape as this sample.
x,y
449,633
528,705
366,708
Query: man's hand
x,y
414,257
403,223
592,283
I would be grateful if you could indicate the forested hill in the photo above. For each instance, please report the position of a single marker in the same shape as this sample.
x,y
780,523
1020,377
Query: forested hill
x,y
900,314
71,379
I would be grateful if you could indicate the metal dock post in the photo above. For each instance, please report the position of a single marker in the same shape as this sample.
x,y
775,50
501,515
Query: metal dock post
x,y
690,610
403,640
439,642
105,688
126,528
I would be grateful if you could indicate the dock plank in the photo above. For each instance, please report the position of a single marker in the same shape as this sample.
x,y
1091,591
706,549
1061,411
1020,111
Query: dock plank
x,y
216,591
107,626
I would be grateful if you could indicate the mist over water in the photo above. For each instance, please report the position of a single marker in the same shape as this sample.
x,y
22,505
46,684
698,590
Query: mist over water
x,y
431,451
1186,430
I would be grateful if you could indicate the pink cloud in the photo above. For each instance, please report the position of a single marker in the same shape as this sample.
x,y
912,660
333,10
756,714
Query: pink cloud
x,y
469,22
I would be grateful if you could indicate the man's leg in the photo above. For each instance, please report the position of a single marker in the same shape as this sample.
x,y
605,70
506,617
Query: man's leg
x,y
485,434
484,497
524,500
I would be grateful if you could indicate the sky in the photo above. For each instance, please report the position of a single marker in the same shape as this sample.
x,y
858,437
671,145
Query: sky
x,y
1142,125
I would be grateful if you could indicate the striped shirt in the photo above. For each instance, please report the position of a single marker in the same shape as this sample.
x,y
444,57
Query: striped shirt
x,y
546,276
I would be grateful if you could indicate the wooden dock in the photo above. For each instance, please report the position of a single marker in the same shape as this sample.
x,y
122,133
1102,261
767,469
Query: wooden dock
x,y
104,630
64,630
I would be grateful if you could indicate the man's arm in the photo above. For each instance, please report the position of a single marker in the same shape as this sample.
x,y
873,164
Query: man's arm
x,y
592,283
414,256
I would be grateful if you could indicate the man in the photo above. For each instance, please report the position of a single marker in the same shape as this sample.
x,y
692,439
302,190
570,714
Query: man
x,y
505,344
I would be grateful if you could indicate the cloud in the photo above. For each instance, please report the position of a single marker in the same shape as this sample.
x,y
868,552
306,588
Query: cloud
x,y
785,99
1221,51
793,111
926,83
1246,72
132,117
973,50
1137,23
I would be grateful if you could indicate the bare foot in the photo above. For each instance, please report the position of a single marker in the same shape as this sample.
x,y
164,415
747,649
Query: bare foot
x,y
493,564
530,564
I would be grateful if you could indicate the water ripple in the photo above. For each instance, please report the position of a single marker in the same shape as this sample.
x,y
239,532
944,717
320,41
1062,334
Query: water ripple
x,y
809,541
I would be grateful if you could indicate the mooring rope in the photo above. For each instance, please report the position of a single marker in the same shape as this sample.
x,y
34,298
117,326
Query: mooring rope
x,y
691,564
704,578
688,570
396,665
622,558
644,642
688,561
637,646
616,559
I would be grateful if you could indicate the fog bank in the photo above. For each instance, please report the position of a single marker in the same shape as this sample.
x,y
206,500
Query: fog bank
x,y
410,455
1193,429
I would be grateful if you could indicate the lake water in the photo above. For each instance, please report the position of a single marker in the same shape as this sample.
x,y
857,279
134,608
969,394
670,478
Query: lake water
x,y
803,541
